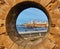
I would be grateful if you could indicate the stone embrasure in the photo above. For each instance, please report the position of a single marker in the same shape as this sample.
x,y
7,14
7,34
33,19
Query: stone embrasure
x,y
52,40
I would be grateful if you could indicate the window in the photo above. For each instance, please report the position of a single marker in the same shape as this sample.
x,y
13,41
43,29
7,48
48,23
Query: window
x,y
32,22
27,20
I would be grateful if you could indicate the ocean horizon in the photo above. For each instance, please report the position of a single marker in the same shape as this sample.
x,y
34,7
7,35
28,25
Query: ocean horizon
x,y
26,29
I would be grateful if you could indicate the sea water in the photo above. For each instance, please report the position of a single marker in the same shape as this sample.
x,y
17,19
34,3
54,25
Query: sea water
x,y
24,29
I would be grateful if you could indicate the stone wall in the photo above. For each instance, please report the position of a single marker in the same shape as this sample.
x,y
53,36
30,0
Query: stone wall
x,y
52,41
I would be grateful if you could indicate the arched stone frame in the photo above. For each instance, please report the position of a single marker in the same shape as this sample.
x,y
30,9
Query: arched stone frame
x,y
13,14
53,15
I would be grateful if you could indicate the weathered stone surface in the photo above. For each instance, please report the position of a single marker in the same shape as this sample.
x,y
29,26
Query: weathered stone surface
x,y
45,2
53,38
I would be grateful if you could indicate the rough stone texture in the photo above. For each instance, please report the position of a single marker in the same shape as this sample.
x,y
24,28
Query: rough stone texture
x,y
52,40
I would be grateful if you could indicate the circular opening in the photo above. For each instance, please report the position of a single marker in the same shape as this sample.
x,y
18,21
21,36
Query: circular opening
x,y
32,22
28,15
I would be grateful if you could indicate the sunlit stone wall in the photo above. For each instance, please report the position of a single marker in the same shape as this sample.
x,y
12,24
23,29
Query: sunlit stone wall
x,y
53,38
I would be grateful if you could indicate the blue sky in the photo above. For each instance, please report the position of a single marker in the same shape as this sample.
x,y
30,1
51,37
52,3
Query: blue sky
x,y
31,14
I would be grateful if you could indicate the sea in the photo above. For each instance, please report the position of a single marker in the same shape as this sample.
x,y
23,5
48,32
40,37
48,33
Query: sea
x,y
24,29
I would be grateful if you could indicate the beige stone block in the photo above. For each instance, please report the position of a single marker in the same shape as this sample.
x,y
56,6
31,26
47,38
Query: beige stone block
x,y
45,2
7,41
48,44
14,46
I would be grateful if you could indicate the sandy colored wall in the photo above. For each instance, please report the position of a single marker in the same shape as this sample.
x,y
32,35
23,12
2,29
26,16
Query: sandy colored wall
x,y
53,38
